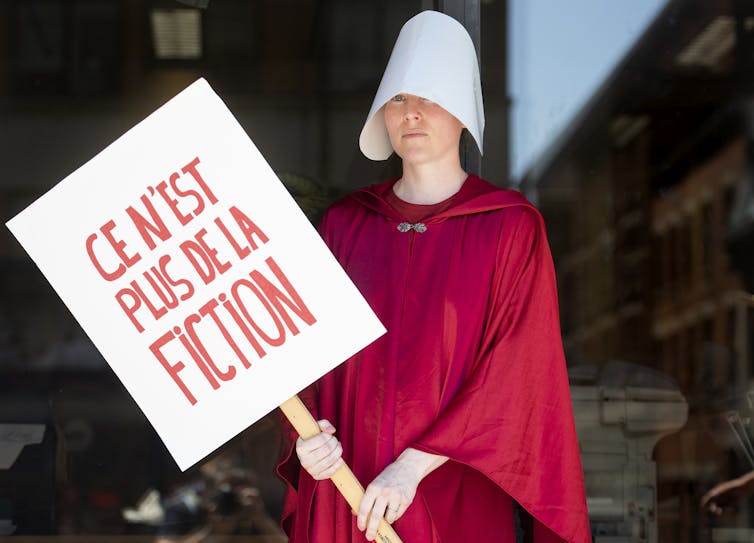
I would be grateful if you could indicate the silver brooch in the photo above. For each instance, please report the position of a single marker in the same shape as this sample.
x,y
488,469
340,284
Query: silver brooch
x,y
418,227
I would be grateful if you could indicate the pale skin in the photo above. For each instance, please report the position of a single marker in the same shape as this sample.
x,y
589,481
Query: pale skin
x,y
426,137
728,493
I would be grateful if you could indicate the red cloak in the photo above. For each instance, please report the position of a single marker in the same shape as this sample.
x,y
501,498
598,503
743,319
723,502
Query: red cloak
x,y
471,368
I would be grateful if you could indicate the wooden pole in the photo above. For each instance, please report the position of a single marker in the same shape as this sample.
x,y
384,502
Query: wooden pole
x,y
347,483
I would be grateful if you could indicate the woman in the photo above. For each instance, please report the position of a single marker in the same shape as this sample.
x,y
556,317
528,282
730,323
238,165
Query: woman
x,y
463,406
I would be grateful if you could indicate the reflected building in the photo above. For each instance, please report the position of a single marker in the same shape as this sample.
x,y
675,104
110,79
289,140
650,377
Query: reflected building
x,y
646,195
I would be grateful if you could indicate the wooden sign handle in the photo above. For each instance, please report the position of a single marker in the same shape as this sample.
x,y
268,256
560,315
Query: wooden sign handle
x,y
347,483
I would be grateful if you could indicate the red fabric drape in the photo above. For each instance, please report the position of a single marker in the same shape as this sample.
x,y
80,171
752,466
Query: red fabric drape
x,y
471,368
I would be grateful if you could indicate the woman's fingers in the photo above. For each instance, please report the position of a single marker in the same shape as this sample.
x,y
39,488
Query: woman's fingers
x,y
366,505
395,511
378,511
326,426
312,451
329,464
320,455
379,501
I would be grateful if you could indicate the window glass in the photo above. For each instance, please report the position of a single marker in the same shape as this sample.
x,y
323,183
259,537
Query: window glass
x,y
629,124
77,456
631,129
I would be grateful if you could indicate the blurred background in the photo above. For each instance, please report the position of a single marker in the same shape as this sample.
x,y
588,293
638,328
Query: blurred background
x,y
629,123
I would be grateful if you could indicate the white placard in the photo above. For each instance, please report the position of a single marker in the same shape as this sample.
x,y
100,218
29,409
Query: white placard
x,y
195,274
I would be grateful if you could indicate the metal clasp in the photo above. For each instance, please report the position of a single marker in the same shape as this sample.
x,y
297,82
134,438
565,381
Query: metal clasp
x,y
419,227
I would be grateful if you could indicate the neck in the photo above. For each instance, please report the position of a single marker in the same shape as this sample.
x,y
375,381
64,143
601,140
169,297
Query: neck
x,y
429,183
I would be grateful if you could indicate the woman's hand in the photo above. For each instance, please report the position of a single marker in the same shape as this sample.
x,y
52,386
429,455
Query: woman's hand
x,y
320,455
393,490
728,493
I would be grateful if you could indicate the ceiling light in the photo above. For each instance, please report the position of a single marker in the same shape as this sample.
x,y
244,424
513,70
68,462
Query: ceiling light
x,y
176,33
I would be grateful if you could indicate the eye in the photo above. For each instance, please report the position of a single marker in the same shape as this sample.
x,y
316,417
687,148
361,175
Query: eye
x,y
399,98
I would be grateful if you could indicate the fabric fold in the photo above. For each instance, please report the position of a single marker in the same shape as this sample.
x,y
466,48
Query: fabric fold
x,y
472,368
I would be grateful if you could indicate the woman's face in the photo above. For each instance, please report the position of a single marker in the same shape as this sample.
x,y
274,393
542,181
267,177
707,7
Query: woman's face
x,y
420,130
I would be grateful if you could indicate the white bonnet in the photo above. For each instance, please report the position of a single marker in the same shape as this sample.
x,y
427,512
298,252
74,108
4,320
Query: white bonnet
x,y
434,58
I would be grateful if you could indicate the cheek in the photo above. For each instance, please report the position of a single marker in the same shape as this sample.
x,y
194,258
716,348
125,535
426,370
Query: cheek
x,y
452,132
449,125
391,123
391,117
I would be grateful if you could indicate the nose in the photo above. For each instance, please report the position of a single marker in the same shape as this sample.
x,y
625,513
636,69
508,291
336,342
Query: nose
x,y
412,109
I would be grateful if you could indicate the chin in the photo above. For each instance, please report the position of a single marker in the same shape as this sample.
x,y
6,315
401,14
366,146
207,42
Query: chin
x,y
418,156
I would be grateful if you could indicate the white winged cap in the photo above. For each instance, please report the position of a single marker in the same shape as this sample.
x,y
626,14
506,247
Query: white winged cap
x,y
434,58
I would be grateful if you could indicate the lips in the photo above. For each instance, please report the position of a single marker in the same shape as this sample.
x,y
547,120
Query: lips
x,y
414,134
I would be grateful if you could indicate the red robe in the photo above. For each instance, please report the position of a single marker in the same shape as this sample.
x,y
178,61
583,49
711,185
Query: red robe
x,y
471,368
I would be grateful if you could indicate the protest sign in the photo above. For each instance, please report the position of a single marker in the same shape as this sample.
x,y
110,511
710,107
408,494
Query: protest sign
x,y
195,274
